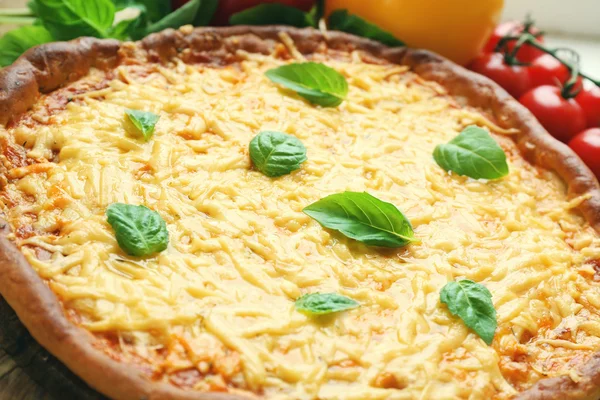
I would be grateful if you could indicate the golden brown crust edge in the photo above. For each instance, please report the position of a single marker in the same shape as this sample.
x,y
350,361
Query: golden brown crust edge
x,y
45,68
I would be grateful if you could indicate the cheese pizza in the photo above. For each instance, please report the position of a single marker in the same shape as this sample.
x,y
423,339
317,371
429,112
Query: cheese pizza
x,y
154,246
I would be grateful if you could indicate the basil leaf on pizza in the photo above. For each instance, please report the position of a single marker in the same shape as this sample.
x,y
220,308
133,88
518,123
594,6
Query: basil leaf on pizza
x,y
317,83
276,153
139,230
341,20
324,303
363,217
272,14
472,302
473,153
144,121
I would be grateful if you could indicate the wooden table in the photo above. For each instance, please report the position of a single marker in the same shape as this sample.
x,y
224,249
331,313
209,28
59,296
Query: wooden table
x,y
15,383
6,27
29,372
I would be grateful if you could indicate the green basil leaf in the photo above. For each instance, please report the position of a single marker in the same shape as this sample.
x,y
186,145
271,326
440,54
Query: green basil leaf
x,y
341,20
17,41
473,153
316,82
31,5
472,303
139,230
68,19
127,28
276,153
122,29
363,217
272,14
317,12
182,16
324,303
206,12
144,121
156,9
123,4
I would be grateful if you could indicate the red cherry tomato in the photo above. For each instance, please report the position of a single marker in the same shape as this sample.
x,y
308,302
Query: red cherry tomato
x,y
562,118
587,146
547,70
526,53
514,79
229,7
589,100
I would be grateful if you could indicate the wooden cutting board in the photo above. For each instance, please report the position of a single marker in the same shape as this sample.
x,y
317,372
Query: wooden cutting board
x,y
28,372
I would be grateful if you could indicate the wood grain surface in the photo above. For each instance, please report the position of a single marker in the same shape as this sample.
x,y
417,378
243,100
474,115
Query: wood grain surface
x,y
7,27
16,384
28,372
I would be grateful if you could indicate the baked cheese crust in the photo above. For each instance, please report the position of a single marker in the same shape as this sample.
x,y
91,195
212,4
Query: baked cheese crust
x,y
215,311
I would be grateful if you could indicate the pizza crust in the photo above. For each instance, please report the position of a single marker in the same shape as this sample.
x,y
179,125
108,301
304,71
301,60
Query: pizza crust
x,y
48,67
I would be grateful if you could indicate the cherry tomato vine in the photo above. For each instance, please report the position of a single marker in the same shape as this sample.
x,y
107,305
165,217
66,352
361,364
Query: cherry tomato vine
x,y
529,37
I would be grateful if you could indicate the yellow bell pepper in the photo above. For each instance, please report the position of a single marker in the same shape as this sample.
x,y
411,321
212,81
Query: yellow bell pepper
x,y
457,29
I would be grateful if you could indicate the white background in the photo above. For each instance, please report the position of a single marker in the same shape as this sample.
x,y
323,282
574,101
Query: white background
x,y
575,17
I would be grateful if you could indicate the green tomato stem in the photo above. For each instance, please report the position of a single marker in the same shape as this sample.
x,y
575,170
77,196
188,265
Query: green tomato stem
x,y
573,67
529,39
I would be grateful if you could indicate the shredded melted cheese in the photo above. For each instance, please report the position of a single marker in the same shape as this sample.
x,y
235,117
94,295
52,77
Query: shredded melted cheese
x,y
218,304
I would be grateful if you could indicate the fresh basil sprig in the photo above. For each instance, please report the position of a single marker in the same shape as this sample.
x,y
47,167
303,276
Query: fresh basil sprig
x,y
182,16
156,9
17,41
341,20
157,15
316,82
206,12
132,27
66,19
69,19
139,230
363,217
324,303
472,302
473,153
276,153
272,14
144,121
